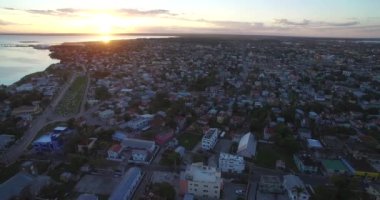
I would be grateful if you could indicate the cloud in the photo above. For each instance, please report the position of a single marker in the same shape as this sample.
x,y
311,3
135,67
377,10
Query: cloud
x,y
56,12
283,21
8,8
136,12
5,23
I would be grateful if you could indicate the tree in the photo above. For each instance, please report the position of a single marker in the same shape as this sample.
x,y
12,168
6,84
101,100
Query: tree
x,y
164,190
102,93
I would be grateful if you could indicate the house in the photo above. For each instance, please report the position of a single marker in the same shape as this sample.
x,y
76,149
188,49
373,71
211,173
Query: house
x,y
127,186
26,111
305,163
295,188
333,167
114,152
202,181
271,184
86,145
107,114
247,145
142,122
119,136
164,136
210,138
231,163
51,142
373,189
304,133
25,87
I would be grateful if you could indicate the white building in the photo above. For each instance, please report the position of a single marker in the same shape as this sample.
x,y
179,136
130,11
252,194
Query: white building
x,y
202,181
210,138
114,152
140,123
247,145
231,163
295,188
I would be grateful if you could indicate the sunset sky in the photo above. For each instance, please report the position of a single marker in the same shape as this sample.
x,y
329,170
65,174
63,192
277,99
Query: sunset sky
x,y
331,18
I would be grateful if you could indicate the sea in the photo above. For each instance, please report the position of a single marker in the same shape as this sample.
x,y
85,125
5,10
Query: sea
x,y
18,59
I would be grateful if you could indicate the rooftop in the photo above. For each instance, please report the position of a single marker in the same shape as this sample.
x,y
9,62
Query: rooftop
x,y
125,184
334,165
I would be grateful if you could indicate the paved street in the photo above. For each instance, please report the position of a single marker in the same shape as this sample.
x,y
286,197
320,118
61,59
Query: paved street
x,y
46,117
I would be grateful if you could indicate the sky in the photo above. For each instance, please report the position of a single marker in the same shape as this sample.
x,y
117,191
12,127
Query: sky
x,y
315,18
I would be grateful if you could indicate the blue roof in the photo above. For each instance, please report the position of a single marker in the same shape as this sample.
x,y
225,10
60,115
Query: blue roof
x,y
126,186
43,139
15,185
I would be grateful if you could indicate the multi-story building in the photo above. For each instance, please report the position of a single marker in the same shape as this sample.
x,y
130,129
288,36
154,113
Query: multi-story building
x,y
139,123
51,142
201,181
210,138
231,163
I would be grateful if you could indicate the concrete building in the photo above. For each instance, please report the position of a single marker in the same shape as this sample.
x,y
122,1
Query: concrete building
x,y
51,142
202,181
231,163
139,123
305,163
114,152
131,144
295,188
271,184
6,140
210,138
247,145
128,185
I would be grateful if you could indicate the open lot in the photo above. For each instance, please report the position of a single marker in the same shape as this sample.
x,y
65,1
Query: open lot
x,y
93,184
223,145
267,154
72,100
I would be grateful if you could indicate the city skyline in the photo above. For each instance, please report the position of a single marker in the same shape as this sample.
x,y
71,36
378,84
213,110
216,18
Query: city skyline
x,y
341,18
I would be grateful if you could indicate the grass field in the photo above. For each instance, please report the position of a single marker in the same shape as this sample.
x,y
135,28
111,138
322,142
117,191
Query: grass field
x,y
189,140
70,103
267,155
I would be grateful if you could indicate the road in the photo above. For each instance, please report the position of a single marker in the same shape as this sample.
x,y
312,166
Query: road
x,y
46,117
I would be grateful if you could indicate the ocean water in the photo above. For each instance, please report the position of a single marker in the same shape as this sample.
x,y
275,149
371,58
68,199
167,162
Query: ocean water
x,y
16,62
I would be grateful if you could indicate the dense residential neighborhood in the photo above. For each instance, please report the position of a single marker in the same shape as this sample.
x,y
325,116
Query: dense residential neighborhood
x,y
196,118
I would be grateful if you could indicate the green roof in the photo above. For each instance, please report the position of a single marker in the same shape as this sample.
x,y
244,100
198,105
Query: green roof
x,y
334,165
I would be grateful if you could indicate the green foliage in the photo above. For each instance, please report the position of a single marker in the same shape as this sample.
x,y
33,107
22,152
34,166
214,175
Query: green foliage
x,y
202,83
164,190
102,93
189,140
160,102
71,102
285,140
170,158
25,98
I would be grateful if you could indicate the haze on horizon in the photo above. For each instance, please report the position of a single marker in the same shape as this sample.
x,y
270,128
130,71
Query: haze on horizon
x,y
315,18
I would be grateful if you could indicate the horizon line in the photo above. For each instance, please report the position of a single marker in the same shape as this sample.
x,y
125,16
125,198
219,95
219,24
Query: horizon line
x,y
195,34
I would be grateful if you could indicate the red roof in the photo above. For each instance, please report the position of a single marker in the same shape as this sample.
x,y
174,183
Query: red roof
x,y
116,148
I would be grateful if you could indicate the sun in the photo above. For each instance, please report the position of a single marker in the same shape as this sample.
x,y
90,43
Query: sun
x,y
103,26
